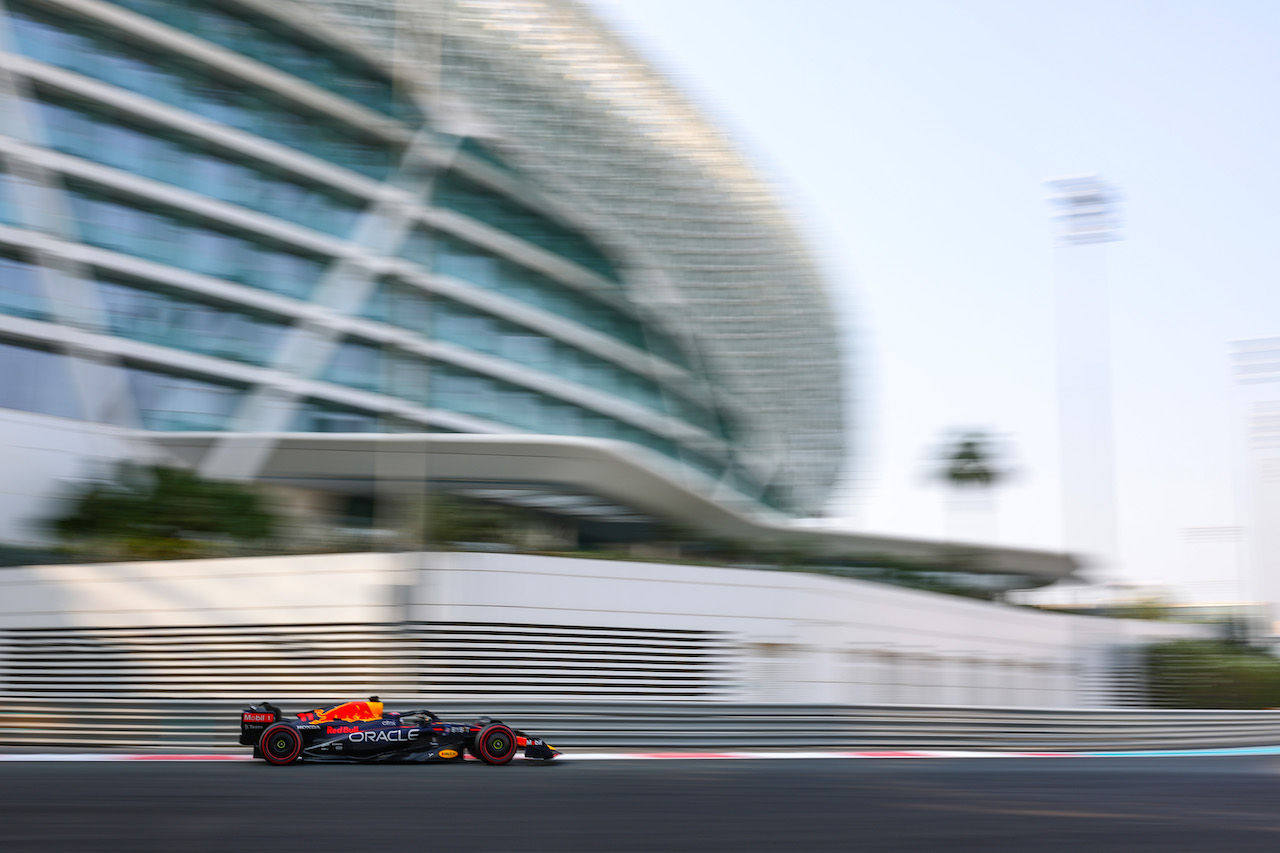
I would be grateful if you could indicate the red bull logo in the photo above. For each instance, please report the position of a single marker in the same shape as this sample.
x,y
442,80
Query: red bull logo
x,y
341,730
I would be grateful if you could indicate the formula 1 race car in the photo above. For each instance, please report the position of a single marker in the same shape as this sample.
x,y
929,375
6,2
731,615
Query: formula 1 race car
x,y
362,732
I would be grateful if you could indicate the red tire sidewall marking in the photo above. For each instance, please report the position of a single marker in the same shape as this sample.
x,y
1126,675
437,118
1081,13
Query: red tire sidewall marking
x,y
484,747
297,744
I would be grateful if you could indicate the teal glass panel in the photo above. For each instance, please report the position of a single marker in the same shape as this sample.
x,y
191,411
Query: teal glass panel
x,y
745,484
378,305
462,325
481,152
697,414
180,242
374,368
417,247
215,253
443,319
408,378
173,81
663,346
169,402
779,497
457,325
322,416
36,381
465,392
462,260
20,291
8,202
270,44
465,196
473,329
164,318
710,467
280,271
400,305
41,39
359,365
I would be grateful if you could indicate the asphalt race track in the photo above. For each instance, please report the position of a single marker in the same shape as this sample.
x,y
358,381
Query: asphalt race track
x,y
952,805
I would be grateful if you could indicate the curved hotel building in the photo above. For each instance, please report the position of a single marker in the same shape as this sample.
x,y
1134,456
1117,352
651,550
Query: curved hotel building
x,y
244,234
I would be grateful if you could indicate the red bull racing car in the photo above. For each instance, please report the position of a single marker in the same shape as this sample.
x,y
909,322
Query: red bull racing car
x,y
363,732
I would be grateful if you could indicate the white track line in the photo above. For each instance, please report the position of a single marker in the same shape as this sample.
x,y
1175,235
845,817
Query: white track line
x,y
575,756
733,756
699,756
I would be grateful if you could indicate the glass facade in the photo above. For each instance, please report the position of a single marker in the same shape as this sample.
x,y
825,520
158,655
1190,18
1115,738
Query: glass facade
x,y
36,380
482,153
456,192
259,39
8,201
324,416
176,240
153,303
182,322
459,259
167,401
370,367
400,304
20,291
206,93
466,327
444,319
460,390
152,154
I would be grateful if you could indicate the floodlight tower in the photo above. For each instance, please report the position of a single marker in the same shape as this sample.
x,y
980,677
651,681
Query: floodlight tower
x,y
1087,219
1255,365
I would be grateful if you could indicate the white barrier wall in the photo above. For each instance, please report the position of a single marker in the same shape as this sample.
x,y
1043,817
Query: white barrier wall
x,y
809,638
318,588
600,628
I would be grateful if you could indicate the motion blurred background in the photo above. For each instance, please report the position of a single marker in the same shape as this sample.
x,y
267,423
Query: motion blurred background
x,y
508,351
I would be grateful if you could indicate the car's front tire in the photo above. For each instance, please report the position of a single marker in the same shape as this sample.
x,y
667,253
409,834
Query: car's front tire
x,y
280,744
495,744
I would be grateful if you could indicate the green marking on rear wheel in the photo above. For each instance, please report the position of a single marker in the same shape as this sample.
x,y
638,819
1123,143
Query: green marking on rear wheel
x,y
498,745
282,744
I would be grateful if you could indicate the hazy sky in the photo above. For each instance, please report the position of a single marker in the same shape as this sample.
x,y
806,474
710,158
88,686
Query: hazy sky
x,y
913,138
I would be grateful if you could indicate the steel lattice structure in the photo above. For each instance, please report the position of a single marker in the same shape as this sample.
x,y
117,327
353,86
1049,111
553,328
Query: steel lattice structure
x,y
705,245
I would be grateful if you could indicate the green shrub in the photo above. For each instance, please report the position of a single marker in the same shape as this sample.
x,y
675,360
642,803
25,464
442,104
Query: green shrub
x,y
156,512
1212,674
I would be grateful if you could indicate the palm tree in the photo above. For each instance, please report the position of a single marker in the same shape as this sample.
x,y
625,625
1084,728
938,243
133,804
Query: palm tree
x,y
968,464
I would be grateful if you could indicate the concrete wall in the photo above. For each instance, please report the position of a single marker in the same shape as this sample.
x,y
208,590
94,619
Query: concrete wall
x,y
795,637
322,588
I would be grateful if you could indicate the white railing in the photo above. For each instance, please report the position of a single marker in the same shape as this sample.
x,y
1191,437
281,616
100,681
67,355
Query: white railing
x,y
181,725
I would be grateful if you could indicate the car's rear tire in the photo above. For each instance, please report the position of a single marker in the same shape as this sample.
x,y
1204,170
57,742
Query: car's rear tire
x,y
280,744
495,744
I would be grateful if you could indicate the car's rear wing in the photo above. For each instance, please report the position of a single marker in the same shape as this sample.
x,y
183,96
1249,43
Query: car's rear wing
x,y
255,719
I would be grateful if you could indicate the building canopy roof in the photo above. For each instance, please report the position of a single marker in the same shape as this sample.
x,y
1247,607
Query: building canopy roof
x,y
586,478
